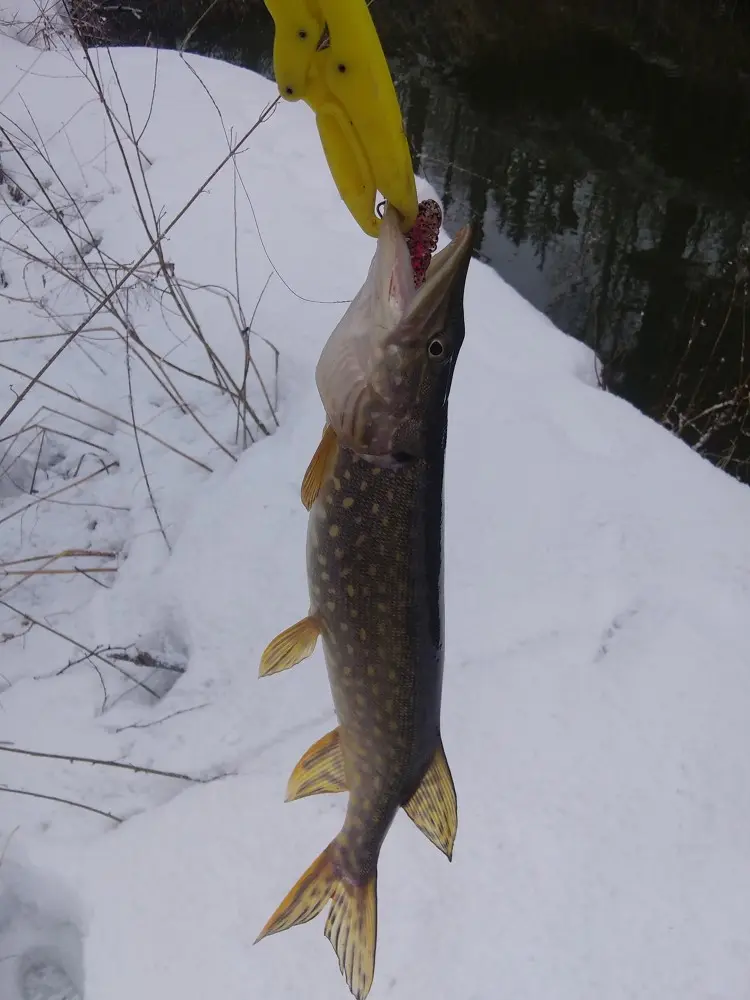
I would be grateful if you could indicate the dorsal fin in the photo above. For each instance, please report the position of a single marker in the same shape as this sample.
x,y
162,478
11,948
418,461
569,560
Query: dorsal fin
x,y
433,807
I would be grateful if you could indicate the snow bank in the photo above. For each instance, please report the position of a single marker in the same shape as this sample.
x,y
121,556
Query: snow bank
x,y
597,695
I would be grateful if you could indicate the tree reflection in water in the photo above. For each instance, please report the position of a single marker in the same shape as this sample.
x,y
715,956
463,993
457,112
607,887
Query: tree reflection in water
x,y
617,200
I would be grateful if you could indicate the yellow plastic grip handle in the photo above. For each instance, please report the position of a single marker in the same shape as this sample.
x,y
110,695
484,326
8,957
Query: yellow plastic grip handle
x,y
299,25
349,87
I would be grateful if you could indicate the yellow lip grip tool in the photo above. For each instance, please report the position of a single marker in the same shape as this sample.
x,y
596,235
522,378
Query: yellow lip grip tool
x,y
348,85
299,26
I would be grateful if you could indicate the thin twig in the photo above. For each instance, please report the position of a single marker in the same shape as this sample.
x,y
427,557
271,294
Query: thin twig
x,y
141,460
6,845
67,802
65,554
164,718
75,759
57,572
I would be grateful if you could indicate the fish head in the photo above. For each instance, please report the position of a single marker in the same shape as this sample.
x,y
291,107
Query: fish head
x,y
385,373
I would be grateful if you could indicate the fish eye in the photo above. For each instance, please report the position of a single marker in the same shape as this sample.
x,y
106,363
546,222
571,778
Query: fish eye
x,y
436,348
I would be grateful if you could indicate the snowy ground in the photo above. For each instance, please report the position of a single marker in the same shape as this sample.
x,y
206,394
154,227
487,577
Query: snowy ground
x,y
597,692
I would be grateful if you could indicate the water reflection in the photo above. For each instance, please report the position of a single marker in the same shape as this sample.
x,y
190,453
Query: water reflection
x,y
575,210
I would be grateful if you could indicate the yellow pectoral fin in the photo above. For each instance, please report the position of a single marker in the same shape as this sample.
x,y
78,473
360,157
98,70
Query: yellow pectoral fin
x,y
321,466
433,807
290,647
320,769
298,27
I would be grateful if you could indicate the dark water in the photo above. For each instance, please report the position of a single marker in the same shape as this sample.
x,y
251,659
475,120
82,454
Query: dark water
x,y
615,196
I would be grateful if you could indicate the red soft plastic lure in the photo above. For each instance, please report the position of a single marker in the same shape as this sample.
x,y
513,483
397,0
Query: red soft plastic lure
x,y
422,238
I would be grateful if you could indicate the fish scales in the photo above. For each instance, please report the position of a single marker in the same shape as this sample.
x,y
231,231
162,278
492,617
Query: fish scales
x,y
374,571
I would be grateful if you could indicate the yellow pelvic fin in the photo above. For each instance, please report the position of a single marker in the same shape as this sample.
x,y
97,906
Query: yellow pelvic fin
x,y
290,647
320,467
352,929
351,926
433,807
319,770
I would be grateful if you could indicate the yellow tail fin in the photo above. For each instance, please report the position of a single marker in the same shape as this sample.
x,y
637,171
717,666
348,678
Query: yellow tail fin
x,y
352,929
351,926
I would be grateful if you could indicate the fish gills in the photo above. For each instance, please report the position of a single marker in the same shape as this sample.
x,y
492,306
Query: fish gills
x,y
351,926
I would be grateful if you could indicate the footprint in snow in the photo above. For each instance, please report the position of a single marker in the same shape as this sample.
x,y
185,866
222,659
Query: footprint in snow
x,y
41,954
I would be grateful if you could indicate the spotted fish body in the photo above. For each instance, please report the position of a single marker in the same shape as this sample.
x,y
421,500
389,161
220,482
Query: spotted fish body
x,y
375,575
375,572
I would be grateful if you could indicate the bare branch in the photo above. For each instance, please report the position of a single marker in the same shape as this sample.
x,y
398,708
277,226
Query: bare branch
x,y
74,759
106,299
67,802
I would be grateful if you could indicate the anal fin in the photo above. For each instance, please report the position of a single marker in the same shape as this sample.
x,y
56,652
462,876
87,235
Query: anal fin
x,y
291,646
433,807
319,770
321,465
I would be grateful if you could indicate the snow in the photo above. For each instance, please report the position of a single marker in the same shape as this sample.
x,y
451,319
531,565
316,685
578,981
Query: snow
x,y
596,697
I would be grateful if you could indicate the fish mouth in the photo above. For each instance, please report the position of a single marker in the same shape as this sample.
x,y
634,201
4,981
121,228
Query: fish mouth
x,y
352,374
444,281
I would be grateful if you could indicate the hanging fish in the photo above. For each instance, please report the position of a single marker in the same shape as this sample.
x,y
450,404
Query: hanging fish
x,y
374,489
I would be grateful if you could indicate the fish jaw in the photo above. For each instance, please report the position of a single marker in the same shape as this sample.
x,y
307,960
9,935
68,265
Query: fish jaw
x,y
395,350
345,368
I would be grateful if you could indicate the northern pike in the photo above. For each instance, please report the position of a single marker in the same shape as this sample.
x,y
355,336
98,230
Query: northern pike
x,y
374,490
